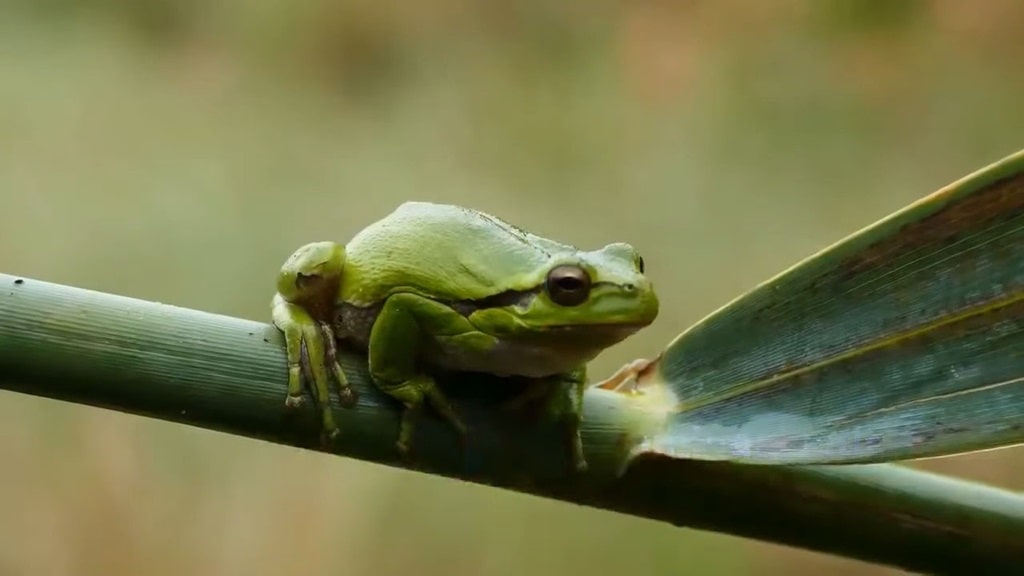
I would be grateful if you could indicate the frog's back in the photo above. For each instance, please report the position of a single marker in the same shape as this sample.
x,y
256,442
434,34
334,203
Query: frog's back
x,y
442,251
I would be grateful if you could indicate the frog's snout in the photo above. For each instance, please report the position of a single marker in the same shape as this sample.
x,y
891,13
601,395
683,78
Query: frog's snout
x,y
638,286
648,299
634,301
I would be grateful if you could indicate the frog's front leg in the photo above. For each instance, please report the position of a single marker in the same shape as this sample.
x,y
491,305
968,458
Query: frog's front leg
x,y
303,310
564,403
404,324
560,399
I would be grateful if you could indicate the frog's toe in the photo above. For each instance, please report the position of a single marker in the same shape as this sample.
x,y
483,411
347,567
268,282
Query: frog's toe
x,y
463,439
329,437
580,466
404,449
297,397
348,396
346,393
294,402
625,378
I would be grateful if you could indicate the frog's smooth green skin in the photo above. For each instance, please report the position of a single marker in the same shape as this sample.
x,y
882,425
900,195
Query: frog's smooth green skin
x,y
438,286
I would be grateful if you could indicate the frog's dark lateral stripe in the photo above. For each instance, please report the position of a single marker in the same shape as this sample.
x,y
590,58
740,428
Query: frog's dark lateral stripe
x,y
468,307
951,263
500,300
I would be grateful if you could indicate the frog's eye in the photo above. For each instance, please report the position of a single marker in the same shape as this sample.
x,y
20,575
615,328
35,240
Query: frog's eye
x,y
568,285
640,264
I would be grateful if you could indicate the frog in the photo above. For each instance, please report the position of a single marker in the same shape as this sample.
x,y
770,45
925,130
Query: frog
x,y
432,288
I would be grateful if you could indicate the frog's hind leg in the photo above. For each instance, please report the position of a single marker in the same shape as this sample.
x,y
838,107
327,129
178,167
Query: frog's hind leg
x,y
405,322
302,331
302,309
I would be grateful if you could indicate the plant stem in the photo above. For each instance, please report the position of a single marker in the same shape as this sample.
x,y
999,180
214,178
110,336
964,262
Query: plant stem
x,y
229,374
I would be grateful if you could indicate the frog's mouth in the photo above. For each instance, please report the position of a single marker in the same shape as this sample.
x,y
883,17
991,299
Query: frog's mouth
x,y
597,334
595,327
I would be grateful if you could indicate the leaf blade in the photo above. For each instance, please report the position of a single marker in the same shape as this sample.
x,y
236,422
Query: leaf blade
x,y
904,340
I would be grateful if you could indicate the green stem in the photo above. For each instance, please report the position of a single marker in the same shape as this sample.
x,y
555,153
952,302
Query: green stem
x,y
229,374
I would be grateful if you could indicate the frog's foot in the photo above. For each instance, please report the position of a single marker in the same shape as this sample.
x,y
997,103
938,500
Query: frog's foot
x,y
306,353
628,373
414,393
577,458
307,286
328,437
346,393
564,403
403,444
294,401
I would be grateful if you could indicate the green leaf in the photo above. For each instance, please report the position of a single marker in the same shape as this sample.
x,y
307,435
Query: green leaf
x,y
905,340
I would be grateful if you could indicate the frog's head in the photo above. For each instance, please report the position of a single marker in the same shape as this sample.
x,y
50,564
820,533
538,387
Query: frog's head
x,y
577,299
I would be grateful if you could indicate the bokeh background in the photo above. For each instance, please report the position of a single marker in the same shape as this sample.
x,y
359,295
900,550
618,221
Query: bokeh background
x,y
179,150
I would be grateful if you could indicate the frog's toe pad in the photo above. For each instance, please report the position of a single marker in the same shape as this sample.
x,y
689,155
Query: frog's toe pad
x,y
294,401
328,438
348,396
404,451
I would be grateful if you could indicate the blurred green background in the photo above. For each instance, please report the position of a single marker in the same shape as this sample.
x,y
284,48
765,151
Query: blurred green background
x,y
180,150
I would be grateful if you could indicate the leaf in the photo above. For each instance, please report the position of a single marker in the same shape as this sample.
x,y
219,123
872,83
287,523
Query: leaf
x,y
905,340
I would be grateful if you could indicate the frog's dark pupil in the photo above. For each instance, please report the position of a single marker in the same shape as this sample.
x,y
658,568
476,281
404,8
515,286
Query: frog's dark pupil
x,y
640,264
568,285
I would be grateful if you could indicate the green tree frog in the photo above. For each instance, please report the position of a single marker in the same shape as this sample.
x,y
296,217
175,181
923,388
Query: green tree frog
x,y
435,286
